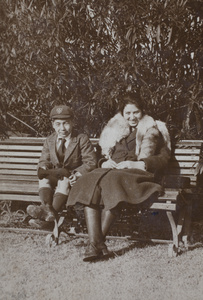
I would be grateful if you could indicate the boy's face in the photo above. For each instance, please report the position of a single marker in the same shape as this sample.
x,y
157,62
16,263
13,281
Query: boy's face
x,y
62,127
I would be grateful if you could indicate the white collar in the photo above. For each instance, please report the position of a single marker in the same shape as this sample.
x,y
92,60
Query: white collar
x,y
66,138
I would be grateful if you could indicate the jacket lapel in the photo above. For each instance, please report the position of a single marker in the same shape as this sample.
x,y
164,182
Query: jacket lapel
x,y
132,136
71,147
53,149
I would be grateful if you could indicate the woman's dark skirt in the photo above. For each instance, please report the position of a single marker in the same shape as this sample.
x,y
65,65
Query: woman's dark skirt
x,y
110,187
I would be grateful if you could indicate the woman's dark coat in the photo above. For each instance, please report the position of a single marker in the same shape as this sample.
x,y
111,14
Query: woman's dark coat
x,y
109,187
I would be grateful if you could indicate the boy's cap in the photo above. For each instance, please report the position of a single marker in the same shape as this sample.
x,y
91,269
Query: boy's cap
x,y
61,112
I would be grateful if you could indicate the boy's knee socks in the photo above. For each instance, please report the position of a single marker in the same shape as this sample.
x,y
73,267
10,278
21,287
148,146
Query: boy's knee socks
x,y
46,195
58,201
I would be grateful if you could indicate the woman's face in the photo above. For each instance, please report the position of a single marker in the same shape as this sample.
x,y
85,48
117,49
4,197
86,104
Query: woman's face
x,y
132,114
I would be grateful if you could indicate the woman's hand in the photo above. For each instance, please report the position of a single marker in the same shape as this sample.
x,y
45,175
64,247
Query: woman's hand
x,y
128,164
109,164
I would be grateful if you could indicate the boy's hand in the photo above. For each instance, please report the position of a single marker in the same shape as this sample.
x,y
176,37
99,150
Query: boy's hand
x,y
73,178
57,173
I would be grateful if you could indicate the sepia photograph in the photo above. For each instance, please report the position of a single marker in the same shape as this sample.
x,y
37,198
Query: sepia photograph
x,y
101,150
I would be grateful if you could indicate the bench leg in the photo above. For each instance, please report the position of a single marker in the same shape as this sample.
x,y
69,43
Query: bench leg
x,y
173,249
181,220
53,238
184,221
187,225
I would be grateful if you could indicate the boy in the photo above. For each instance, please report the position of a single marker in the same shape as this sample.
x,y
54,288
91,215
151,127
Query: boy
x,y
65,157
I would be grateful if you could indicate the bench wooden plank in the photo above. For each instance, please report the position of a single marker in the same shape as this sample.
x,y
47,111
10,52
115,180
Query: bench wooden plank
x,y
169,194
22,140
184,158
189,142
28,188
21,148
19,160
187,151
163,206
18,166
22,154
18,172
15,177
14,197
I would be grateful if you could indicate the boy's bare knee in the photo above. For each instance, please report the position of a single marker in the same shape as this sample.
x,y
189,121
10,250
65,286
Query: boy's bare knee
x,y
63,186
44,183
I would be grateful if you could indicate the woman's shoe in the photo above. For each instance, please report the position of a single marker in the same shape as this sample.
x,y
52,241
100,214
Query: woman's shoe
x,y
97,251
105,252
92,253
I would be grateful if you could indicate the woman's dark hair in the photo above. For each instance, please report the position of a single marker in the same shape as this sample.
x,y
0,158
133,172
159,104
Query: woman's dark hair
x,y
131,98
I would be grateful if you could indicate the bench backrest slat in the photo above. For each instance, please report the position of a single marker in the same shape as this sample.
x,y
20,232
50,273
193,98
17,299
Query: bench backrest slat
x,y
21,178
21,148
19,172
20,154
16,197
18,166
187,151
19,158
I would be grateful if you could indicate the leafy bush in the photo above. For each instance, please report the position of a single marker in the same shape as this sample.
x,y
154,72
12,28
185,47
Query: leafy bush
x,y
85,53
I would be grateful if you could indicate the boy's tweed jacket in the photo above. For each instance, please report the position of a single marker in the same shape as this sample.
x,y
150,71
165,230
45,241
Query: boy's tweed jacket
x,y
79,155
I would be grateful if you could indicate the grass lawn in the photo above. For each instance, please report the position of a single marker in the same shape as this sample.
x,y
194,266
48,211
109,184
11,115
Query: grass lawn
x,y
30,270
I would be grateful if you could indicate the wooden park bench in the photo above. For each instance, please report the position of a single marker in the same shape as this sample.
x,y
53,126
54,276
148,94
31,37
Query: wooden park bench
x,y
18,180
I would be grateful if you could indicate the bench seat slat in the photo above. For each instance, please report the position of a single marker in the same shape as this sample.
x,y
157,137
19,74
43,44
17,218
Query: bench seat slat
x,y
169,194
163,206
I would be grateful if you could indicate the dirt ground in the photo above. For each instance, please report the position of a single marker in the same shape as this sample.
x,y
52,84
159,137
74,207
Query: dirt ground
x,y
30,270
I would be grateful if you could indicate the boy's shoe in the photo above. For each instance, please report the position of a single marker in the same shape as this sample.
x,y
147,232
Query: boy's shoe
x,y
41,212
39,224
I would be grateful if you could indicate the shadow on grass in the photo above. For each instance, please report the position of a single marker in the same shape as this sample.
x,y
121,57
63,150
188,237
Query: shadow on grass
x,y
120,252
191,247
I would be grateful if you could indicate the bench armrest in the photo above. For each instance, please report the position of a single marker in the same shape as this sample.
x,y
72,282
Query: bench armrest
x,y
175,181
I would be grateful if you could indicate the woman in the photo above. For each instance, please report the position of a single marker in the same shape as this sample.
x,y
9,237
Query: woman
x,y
135,148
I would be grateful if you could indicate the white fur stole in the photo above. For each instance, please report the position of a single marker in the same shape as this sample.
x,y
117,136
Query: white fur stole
x,y
118,128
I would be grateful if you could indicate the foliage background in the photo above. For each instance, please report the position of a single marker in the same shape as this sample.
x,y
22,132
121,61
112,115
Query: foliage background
x,y
85,53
